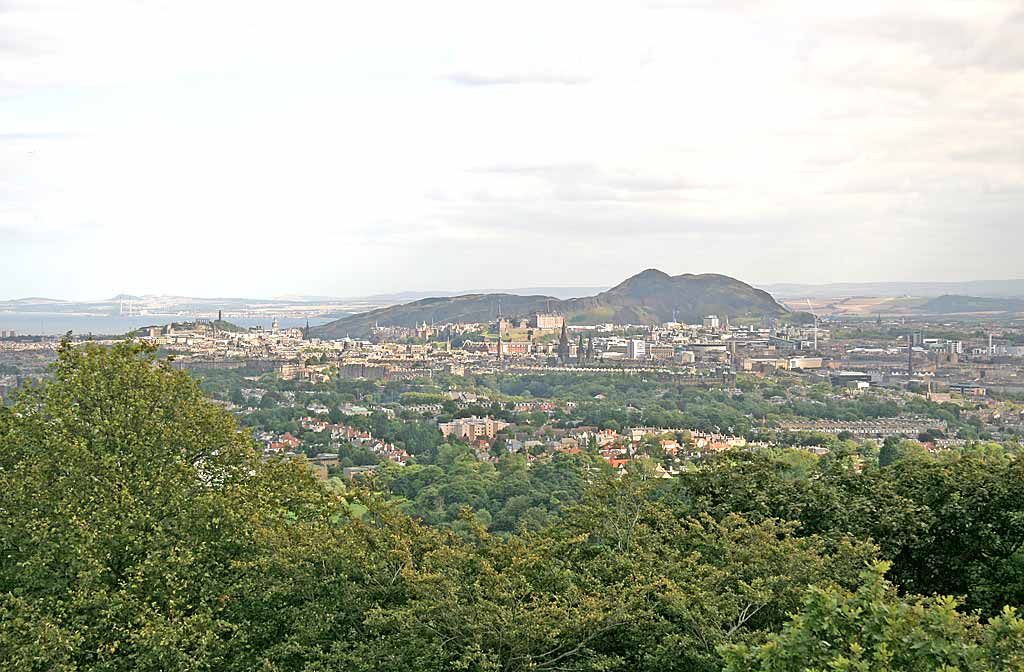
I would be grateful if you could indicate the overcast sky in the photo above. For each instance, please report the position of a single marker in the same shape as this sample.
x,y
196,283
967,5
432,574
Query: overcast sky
x,y
249,148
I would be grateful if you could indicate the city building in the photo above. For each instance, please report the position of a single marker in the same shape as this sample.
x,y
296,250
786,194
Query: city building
x,y
548,321
968,389
472,428
636,349
661,351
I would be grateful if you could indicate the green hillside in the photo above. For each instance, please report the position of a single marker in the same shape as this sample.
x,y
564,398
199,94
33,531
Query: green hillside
x,y
952,304
653,297
650,297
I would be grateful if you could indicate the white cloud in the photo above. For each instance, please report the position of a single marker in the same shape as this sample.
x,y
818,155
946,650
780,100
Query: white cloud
x,y
265,148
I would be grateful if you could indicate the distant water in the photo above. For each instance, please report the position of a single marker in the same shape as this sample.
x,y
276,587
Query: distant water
x,y
32,324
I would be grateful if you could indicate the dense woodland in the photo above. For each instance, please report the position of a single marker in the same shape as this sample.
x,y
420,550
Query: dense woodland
x,y
141,531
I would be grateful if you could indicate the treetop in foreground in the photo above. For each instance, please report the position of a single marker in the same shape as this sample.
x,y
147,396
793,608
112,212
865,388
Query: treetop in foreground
x,y
141,531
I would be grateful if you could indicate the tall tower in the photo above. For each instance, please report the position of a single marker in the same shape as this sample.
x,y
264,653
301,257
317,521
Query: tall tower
x,y
563,346
910,356
590,348
579,351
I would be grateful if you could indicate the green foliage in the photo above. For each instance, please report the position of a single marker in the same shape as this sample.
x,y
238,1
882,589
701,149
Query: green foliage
x,y
127,501
873,630
141,531
950,525
509,493
894,449
422,398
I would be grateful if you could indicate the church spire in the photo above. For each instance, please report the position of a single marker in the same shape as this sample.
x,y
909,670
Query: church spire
x,y
563,346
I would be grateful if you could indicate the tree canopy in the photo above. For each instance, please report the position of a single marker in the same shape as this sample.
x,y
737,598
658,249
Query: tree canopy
x,y
140,530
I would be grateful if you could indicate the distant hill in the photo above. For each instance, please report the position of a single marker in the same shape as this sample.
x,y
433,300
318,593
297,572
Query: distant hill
x,y
953,304
979,288
439,310
29,301
650,297
947,305
556,292
224,325
220,325
653,297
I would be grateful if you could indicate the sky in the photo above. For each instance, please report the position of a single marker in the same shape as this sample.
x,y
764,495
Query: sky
x,y
264,148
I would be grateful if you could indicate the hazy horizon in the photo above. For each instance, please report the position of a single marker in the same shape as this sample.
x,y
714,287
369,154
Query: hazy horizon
x,y
414,292
240,149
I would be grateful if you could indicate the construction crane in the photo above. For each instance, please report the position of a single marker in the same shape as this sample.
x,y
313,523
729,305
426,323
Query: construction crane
x,y
811,311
